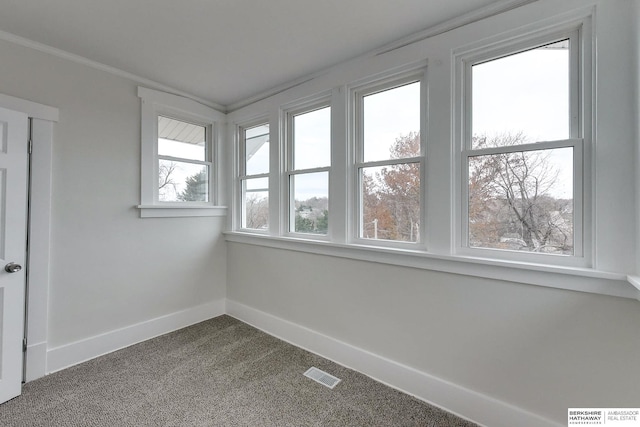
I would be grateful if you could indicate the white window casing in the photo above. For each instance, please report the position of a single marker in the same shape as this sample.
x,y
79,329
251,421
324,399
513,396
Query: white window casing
x,y
244,175
291,171
156,104
579,140
358,163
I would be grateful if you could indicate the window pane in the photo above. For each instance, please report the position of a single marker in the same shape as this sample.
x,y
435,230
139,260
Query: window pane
x,y
257,150
255,203
522,201
182,182
180,139
311,202
390,116
312,139
391,202
522,97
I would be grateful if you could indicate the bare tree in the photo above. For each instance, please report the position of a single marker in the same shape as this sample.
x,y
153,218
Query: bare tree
x,y
391,197
512,194
165,177
256,211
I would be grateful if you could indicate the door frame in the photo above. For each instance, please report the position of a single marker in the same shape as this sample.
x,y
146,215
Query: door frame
x,y
42,118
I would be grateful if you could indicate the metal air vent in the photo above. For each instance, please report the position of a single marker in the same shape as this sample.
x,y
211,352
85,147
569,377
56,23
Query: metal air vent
x,y
322,377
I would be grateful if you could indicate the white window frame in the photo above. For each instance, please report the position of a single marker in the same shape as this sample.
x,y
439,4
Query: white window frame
x,y
288,207
580,140
154,104
242,176
356,128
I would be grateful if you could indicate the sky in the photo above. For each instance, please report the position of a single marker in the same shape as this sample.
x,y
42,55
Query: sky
x,y
527,92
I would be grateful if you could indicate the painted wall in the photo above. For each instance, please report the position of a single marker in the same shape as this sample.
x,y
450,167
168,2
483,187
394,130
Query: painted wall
x,y
109,268
540,349
537,348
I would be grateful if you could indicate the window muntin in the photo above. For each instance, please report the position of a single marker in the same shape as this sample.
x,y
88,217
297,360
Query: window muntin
x,y
254,177
309,164
389,166
523,151
184,161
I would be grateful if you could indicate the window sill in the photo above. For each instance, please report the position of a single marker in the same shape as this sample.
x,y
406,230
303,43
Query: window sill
x,y
635,281
174,211
569,278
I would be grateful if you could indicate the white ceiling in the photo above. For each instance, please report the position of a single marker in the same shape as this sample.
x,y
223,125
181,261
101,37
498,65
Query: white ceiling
x,y
223,51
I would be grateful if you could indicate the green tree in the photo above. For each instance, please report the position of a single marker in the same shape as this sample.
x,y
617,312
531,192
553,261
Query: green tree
x,y
303,224
197,189
322,223
312,215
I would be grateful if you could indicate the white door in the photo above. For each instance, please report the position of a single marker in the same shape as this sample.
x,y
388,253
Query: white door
x,y
13,237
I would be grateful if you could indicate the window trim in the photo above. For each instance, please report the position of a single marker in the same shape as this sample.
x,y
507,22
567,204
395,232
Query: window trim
x,y
580,139
357,163
545,275
287,212
153,104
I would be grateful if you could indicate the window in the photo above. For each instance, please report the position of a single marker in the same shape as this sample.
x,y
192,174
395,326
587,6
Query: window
x,y
509,156
179,173
522,156
254,177
308,166
184,161
389,161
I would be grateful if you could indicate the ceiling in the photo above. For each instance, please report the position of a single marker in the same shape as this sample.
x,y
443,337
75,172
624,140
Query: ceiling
x,y
223,51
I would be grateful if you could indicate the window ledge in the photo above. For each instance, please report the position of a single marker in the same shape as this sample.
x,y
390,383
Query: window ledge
x,y
173,211
569,278
635,281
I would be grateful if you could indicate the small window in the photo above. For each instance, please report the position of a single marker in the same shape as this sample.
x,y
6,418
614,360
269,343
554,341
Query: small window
x,y
178,156
254,177
389,169
523,149
309,147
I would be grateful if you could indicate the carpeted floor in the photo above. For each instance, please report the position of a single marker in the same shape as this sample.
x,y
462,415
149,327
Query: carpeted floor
x,y
221,372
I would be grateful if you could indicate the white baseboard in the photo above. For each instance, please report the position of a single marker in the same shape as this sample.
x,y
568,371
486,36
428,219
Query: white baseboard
x,y
36,361
80,351
465,403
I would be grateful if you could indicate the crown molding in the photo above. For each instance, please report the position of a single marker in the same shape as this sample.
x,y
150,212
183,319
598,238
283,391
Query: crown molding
x,y
22,41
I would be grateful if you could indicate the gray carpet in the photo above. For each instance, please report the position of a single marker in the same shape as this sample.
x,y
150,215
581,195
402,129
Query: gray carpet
x,y
221,372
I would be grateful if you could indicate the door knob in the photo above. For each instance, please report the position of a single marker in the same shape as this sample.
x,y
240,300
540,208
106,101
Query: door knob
x,y
12,267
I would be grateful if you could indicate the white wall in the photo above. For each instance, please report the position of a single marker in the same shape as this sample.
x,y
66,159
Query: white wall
x,y
109,268
537,348
542,350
